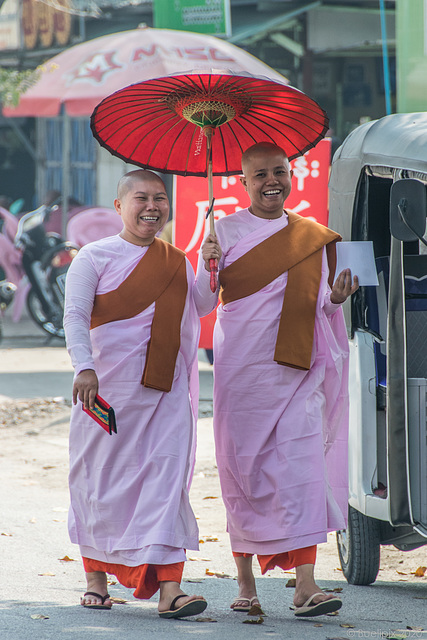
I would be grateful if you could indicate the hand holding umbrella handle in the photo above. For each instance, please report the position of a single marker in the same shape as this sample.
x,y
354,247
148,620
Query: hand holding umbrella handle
x,y
213,263
213,268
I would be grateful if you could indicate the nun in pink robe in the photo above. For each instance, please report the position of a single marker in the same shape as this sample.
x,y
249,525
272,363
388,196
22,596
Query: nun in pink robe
x,y
280,433
129,491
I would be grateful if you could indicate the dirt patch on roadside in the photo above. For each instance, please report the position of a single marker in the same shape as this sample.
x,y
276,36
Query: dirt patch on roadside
x,y
14,413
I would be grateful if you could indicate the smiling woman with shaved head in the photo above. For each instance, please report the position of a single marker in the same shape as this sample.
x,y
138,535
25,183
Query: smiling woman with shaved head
x,y
132,332
280,381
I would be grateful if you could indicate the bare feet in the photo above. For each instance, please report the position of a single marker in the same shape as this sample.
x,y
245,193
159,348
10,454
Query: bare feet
x,y
169,591
247,596
97,584
306,587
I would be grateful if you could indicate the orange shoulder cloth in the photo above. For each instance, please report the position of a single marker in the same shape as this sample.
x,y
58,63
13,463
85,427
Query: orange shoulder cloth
x,y
161,277
297,248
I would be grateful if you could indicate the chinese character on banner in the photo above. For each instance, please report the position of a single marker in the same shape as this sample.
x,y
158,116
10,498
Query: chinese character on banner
x,y
309,198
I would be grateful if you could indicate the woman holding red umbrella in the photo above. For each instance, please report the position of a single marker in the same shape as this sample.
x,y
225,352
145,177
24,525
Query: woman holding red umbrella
x,y
280,382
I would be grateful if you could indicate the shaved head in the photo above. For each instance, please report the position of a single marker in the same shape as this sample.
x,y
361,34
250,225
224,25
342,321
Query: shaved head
x,y
260,148
131,177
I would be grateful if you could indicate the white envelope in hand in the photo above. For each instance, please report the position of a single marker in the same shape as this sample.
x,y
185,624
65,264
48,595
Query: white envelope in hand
x,y
359,257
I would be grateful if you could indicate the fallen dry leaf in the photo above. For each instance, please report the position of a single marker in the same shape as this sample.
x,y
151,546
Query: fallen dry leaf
x,y
336,590
66,559
47,573
111,582
9,535
338,569
199,559
333,613
211,539
118,600
256,610
319,624
39,616
206,620
415,628
217,574
210,498
419,573
49,466
291,582
32,521
347,626
402,573
259,620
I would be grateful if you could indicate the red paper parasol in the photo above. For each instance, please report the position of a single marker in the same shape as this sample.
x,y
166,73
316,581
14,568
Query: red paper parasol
x,y
200,123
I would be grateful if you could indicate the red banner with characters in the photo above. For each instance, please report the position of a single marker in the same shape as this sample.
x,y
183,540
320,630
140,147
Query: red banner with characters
x,y
309,198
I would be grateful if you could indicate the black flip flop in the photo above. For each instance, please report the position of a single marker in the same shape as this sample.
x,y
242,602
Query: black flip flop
x,y
191,608
97,606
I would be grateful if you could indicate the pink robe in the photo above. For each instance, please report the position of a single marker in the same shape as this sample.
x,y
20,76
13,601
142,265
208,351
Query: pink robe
x,y
280,433
129,491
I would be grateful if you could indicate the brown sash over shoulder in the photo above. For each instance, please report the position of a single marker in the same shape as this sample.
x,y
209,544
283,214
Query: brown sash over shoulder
x,y
161,277
297,249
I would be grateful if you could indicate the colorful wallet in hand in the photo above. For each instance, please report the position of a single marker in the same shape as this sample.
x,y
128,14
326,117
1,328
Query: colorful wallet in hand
x,y
103,414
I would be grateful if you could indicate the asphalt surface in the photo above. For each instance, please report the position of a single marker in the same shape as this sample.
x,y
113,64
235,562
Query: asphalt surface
x,y
41,571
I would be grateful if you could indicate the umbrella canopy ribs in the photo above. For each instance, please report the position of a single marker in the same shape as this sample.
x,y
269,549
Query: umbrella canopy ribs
x,y
199,124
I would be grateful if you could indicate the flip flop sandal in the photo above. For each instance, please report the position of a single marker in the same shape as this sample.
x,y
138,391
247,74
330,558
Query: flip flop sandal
x,y
319,609
191,608
244,607
97,606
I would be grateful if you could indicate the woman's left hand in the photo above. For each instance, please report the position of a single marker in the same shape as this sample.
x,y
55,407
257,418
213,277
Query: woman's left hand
x,y
343,287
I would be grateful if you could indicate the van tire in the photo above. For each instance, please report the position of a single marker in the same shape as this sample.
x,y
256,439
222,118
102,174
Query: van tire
x,y
359,548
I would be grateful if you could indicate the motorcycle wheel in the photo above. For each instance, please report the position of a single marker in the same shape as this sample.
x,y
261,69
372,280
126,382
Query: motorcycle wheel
x,y
52,326
359,548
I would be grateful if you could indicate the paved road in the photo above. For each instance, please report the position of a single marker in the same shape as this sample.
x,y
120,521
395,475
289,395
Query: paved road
x,y
37,581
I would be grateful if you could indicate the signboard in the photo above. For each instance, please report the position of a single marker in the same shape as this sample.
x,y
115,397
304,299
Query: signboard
x,y
29,23
42,23
411,55
45,15
309,198
62,22
202,16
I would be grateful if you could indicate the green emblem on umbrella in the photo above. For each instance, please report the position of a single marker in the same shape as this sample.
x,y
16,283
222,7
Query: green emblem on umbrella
x,y
209,113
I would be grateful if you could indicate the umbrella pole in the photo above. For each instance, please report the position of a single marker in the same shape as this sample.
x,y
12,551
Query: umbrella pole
x,y
213,264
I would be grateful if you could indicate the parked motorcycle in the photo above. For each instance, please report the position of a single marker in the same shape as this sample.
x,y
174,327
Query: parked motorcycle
x,y
45,261
7,291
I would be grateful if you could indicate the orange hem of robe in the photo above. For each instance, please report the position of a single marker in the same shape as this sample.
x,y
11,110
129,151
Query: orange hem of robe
x,y
287,560
144,578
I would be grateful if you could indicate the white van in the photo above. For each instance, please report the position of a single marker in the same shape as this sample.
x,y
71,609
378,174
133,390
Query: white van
x,y
378,192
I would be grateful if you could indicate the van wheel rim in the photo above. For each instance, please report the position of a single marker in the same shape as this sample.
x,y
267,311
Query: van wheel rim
x,y
343,542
